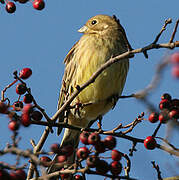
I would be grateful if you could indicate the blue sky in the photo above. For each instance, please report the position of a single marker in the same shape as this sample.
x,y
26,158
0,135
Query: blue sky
x,y
41,39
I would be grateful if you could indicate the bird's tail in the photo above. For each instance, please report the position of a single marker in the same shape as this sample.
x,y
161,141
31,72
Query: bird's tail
x,y
70,137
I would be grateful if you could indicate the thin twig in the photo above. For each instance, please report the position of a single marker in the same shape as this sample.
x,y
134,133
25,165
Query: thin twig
x,y
174,31
168,21
156,167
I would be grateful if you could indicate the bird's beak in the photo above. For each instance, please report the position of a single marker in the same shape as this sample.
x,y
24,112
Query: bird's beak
x,y
83,29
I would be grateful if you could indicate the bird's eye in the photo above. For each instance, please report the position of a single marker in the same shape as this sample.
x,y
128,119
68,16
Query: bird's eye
x,y
93,22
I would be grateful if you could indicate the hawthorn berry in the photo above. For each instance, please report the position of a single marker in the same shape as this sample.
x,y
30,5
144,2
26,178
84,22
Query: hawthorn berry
x,y
26,72
110,142
13,176
82,153
38,4
36,115
13,125
163,117
3,108
102,167
55,148
78,177
28,98
166,96
174,113
164,104
28,108
115,155
94,138
175,103
174,58
21,173
175,71
10,7
61,158
153,117
67,150
92,161
115,167
25,119
17,106
21,88
150,143
100,147
45,160
84,137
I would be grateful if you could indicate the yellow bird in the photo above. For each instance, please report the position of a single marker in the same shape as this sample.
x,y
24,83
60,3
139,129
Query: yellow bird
x,y
103,38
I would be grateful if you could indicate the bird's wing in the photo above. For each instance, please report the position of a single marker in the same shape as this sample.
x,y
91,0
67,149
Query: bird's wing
x,y
70,71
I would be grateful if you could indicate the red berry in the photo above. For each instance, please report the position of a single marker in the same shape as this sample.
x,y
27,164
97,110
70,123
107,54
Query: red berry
x,y
28,98
175,71
61,158
163,117
82,153
110,142
28,108
150,143
92,161
13,125
67,150
26,72
84,137
17,106
55,148
174,58
94,138
102,167
13,176
4,175
10,7
164,104
23,1
36,115
166,96
175,103
115,168
21,173
78,177
100,147
153,117
45,160
174,114
25,119
115,155
21,88
38,4
3,108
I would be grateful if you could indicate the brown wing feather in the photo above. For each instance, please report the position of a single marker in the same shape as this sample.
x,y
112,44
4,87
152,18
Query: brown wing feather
x,y
69,73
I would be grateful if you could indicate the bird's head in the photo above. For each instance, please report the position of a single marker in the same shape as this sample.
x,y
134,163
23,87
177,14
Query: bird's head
x,y
100,24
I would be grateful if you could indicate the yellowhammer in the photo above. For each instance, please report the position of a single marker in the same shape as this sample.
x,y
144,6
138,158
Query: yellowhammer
x,y
103,38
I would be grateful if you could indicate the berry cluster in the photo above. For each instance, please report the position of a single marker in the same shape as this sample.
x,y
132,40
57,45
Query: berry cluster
x,y
90,155
11,6
174,59
24,106
13,175
169,110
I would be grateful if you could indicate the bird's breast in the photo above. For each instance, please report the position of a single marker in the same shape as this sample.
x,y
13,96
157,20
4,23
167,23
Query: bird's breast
x,y
91,54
